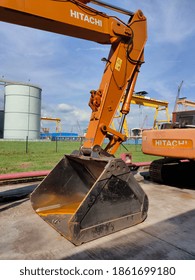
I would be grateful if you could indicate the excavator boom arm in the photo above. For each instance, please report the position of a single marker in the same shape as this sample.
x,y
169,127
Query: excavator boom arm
x,y
71,18
74,18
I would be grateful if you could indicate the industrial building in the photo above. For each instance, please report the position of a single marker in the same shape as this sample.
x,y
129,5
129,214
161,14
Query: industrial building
x,y
60,136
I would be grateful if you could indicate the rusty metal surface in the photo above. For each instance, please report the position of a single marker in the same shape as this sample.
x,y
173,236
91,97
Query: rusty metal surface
x,y
167,233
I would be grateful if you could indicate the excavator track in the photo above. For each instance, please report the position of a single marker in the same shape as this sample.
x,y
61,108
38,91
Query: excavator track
x,y
173,172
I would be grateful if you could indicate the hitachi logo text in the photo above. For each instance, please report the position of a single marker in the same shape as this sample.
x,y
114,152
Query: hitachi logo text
x,y
85,18
171,143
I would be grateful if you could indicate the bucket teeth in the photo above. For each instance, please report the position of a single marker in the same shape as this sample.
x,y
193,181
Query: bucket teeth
x,y
85,198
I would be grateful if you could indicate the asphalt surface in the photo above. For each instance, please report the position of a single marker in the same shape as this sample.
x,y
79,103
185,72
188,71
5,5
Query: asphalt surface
x,y
168,233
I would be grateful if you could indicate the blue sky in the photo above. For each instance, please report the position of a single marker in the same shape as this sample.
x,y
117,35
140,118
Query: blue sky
x,y
68,68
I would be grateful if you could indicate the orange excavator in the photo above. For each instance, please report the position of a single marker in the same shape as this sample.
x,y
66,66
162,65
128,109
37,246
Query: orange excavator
x,y
175,143
90,193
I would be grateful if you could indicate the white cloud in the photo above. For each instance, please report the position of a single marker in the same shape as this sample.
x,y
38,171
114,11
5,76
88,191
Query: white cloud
x,y
72,115
71,111
65,108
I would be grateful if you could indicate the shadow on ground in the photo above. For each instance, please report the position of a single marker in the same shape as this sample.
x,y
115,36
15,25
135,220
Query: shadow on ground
x,y
171,239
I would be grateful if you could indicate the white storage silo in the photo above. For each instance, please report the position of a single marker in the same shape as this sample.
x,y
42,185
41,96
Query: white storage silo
x,y
22,111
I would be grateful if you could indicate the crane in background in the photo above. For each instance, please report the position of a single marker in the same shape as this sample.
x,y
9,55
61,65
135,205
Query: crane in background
x,y
144,121
140,99
185,103
177,97
56,120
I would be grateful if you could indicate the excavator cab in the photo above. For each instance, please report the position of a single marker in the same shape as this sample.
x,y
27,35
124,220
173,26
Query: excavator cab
x,y
85,198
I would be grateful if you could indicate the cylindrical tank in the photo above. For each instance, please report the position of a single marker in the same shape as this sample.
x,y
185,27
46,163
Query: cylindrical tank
x,y
1,123
22,111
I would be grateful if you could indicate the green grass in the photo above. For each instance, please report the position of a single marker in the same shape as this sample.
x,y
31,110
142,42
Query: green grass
x,y
16,157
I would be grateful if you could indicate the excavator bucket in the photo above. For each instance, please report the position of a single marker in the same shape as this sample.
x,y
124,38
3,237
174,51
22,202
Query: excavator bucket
x,y
85,198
